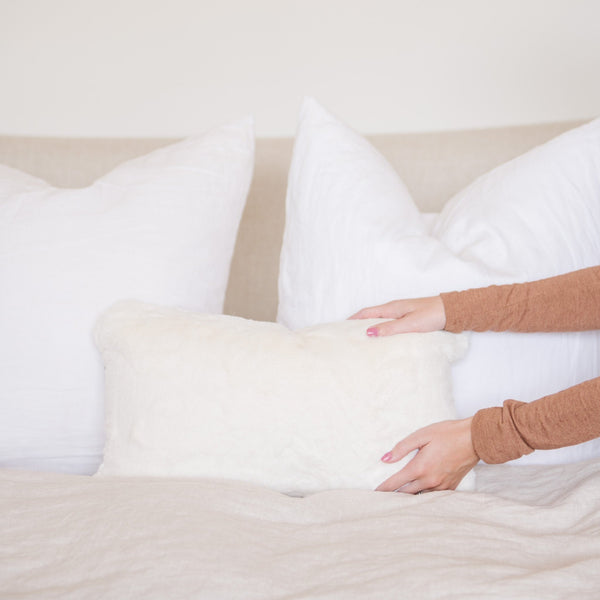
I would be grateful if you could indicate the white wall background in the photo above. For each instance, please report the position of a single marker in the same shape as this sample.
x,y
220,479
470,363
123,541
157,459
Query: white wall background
x,y
175,67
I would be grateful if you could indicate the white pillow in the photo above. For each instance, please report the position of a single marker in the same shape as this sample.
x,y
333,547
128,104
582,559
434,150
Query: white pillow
x,y
159,228
354,238
191,394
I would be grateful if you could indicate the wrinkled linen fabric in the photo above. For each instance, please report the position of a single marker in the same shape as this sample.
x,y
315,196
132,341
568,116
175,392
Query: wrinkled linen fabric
x,y
529,532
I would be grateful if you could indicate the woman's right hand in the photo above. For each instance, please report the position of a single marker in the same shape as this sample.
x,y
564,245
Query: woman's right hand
x,y
416,315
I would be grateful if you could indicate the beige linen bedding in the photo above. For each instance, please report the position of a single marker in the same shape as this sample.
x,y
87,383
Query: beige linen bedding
x,y
529,532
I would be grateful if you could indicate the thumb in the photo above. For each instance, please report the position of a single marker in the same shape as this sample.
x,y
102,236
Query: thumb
x,y
415,441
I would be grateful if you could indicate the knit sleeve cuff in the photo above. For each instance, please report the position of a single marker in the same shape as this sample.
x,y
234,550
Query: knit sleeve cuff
x,y
494,434
452,308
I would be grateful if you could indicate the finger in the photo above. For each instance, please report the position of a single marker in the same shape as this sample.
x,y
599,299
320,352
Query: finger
x,y
399,479
390,310
364,313
381,311
410,487
442,487
404,324
415,441
413,487
448,484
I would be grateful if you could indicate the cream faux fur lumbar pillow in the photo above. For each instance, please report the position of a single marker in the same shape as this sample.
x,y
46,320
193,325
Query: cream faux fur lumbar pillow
x,y
190,394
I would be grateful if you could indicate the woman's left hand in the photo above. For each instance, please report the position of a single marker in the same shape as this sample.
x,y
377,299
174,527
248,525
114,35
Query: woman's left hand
x,y
445,455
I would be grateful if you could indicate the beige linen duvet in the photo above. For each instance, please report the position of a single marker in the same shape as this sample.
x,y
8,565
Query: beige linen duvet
x,y
529,532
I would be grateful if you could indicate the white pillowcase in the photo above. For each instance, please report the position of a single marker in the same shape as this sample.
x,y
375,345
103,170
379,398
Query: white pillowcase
x,y
159,228
191,394
355,238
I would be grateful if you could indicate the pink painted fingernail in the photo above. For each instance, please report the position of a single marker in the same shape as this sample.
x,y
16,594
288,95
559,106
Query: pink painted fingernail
x,y
386,457
372,332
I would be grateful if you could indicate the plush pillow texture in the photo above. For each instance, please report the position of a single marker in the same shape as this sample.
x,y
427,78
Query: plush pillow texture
x,y
355,238
191,394
159,228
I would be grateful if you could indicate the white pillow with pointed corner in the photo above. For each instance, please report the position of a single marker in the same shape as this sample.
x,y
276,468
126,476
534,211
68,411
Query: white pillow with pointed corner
x,y
355,238
190,394
159,228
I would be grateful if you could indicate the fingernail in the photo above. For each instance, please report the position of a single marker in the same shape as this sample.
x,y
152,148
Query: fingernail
x,y
372,332
386,457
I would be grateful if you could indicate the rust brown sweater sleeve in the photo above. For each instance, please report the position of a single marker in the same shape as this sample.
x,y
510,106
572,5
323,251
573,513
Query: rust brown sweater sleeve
x,y
569,302
517,428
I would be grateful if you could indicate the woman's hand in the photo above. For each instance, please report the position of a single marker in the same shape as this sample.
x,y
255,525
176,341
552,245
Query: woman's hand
x,y
445,450
416,315
445,455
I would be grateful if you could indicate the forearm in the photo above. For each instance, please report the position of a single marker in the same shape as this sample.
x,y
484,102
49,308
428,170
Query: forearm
x,y
569,417
569,302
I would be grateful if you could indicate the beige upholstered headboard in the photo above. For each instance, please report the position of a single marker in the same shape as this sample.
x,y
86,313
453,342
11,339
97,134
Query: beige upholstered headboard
x,y
433,165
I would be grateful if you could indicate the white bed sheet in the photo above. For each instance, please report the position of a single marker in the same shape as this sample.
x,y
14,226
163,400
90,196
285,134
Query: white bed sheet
x,y
530,532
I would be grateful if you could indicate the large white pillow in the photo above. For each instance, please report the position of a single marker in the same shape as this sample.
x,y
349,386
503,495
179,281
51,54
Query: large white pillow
x,y
355,238
159,228
191,394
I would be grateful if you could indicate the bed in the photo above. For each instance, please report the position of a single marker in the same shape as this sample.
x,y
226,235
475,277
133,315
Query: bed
x,y
526,531
529,532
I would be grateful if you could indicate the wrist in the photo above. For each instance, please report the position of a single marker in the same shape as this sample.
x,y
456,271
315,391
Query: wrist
x,y
468,435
